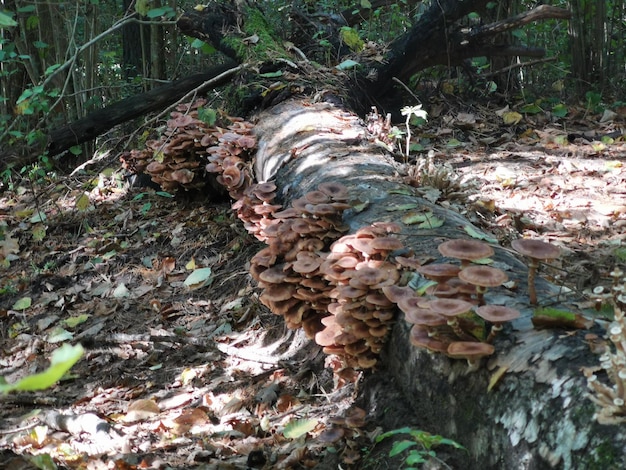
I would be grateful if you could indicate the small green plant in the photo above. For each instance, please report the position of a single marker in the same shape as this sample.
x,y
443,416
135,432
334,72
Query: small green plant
x,y
418,447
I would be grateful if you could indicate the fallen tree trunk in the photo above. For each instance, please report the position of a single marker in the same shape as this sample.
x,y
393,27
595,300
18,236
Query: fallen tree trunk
x,y
100,121
537,414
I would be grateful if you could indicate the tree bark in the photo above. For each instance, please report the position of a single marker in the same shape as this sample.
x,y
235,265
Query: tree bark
x,y
537,415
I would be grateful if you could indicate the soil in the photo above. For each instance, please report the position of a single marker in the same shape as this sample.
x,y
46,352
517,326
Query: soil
x,y
181,374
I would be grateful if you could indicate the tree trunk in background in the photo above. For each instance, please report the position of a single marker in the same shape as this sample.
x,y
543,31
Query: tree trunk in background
x,y
587,36
537,415
132,48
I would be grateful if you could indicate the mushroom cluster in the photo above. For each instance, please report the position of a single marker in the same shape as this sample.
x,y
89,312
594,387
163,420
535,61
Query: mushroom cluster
x,y
175,159
229,157
611,398
343,290
361,315
298,240
452,319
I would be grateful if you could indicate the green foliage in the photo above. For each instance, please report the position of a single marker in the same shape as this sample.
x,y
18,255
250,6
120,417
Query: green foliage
x,y
6,21
419,445
61,362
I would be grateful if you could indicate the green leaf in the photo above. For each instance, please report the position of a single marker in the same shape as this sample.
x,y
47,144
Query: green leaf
x,y
142,7
401,207
6,21
366,4
164,194
39,232
401,446
82,202
26,9
299,427
61,362
199,278
207,116
432,221
162,11
414,458
453,143
73,322
42,461
58,335
531,109
559,110
76,150
347,64
385,435
51,69
145,208
22,304
472,232
204,47
278,73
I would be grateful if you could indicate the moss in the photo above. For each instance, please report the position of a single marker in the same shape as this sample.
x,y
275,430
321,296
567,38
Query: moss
x,y
266,47
603,457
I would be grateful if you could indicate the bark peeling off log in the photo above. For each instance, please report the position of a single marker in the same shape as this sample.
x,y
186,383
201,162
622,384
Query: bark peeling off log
x,y
538,414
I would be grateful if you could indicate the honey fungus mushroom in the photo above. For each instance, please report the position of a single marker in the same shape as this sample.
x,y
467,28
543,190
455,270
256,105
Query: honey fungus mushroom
x,y
465,250
451,309
473,351
440,273
497,315
482,277
537,251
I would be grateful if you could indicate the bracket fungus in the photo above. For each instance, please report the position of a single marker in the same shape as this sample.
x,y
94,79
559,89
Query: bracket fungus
x,y
537,251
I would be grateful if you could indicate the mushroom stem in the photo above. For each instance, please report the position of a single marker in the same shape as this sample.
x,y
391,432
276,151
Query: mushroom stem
x,y
456,327
495,329
480,295
532,271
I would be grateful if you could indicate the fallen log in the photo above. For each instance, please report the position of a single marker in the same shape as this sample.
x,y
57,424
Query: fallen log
x,y
100,121
528,405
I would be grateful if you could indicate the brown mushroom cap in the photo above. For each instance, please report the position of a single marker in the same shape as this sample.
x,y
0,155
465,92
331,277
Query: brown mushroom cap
x,y
439,272
424,316
536,249
370,275
336,191
419,337
497,313
395,292
450,307
464,249
387,244
317,197
470,350
483,276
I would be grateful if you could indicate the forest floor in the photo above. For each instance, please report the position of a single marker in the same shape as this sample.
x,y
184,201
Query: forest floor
x,y
181,373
